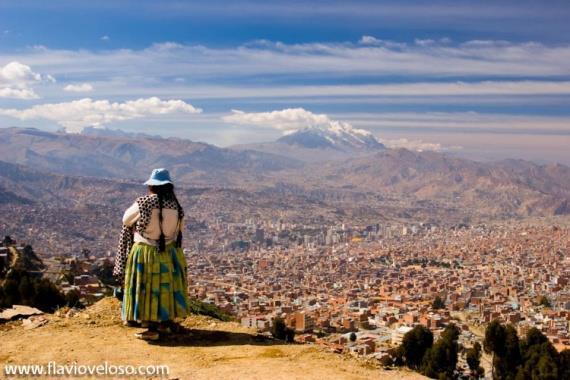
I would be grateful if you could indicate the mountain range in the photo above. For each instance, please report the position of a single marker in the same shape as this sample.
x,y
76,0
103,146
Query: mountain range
x,y
508,188
126,157
345,169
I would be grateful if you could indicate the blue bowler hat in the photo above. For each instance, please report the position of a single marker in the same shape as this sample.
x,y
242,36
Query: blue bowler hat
x,y
159,177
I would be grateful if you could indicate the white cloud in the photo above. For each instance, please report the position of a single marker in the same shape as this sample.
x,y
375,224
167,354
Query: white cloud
x,y
493,72
288,120
18,93
283,120
369,57
417,145
460,122
291,119
368,40
82,87
227,72
430,42
78,114
426,42
105,38
419,89
19,75
16,80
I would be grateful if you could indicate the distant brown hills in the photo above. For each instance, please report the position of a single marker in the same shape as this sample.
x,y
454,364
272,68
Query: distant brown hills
x,y
507,188
391,182
132,158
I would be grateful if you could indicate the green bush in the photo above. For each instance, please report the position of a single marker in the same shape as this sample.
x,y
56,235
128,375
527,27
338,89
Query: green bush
x,y
72,298
203,308
20,288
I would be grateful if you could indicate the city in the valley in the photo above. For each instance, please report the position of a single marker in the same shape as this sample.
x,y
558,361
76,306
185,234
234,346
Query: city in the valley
x,y
360,288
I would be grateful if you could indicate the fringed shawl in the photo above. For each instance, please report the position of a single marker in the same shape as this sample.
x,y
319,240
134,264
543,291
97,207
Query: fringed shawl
x,y
146,204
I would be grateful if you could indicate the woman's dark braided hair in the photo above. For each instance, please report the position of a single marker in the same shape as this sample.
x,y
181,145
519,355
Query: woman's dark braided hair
x,y
166,193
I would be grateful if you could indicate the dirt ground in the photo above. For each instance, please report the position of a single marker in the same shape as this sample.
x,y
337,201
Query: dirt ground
x,y
207,349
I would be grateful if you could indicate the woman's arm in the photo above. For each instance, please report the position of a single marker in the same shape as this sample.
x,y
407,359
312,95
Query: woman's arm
x,y
131,215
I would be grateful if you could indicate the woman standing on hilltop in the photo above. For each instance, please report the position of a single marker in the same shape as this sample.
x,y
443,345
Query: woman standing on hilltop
x,y
150,262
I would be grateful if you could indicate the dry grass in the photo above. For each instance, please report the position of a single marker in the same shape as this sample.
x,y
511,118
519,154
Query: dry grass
x,y
207,349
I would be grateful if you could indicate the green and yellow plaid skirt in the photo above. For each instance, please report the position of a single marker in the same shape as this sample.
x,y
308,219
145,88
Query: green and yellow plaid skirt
x,y
155,284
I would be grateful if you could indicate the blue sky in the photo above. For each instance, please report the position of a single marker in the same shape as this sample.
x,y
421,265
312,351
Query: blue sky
x,y
483,79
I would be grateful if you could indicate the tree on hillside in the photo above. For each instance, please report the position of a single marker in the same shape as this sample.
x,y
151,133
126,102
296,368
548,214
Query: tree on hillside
x,y
104,273
494,338
503,342
534,337
72,298
397,355
203,308
11,292
564,364
533,357
494,342
540,358
21,288
26,291
8,241
440,360
352,337
280,330
438,303
511,359
386,361
47,297
415,344
473,359
540,363
3,269
544,301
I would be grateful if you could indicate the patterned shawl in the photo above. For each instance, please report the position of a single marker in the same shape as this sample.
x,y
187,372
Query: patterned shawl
x,y
146,204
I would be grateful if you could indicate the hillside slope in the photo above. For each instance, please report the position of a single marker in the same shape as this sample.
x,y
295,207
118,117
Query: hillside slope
x,y
208,350
510,188
418,183
129,158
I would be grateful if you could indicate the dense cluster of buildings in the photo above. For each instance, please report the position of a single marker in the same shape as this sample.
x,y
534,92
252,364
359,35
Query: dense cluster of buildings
x,y
328,280
380,280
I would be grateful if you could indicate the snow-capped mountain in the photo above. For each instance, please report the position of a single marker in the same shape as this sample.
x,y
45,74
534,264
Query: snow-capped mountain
x,y
338,136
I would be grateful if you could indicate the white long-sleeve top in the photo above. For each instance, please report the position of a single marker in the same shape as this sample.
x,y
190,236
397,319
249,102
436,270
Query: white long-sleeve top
x,y
170,224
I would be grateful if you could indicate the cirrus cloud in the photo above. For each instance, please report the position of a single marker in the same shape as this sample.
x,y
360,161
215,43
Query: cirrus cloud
x,y
78,114
369,56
